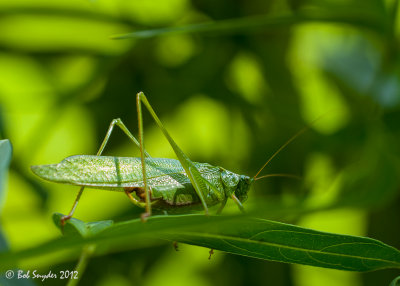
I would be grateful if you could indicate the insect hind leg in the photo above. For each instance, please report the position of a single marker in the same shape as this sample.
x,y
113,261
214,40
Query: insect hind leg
x,y
122,126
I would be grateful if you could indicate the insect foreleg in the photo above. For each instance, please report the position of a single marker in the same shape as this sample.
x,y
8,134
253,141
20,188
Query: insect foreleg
x,y
237,201
121,125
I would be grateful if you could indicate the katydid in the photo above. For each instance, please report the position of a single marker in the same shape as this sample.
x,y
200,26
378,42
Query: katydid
x,y
159,183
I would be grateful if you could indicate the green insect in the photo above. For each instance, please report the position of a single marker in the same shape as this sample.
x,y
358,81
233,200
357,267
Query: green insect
x,y
165,184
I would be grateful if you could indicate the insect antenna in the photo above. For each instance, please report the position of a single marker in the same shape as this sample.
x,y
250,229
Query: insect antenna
x,y
287,143
280,149
279,175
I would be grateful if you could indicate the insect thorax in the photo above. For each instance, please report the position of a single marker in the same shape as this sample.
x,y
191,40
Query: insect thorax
x,y
237,184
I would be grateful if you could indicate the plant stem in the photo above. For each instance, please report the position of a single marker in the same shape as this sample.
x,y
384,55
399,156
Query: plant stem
x,y
87,252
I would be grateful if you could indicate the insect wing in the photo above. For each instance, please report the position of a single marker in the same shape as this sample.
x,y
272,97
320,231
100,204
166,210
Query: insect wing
x,y
113,173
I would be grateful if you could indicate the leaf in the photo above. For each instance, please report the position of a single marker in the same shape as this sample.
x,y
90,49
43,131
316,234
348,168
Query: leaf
x,y
5,158
245,236
288,243
395,282
75,226
3,241
262,21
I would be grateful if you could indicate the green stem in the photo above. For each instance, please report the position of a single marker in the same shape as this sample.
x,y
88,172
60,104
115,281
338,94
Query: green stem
x,y
87,252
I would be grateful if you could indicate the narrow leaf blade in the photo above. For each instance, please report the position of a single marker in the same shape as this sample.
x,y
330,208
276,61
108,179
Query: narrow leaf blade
x,y
263,22
5,158
244,236
292,244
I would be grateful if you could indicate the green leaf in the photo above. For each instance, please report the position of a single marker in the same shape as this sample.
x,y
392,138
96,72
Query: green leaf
x,y
245,236
75,226
5,158
265,22
288,243
395,282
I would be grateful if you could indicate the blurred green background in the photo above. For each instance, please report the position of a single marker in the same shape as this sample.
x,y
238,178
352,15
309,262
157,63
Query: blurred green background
x,y
230,98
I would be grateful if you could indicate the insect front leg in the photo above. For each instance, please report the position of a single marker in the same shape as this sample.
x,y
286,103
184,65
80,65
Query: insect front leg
x,y
238,202
115,122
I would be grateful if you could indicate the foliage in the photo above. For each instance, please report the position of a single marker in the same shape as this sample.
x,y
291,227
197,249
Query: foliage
x,y
246,236
232,82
